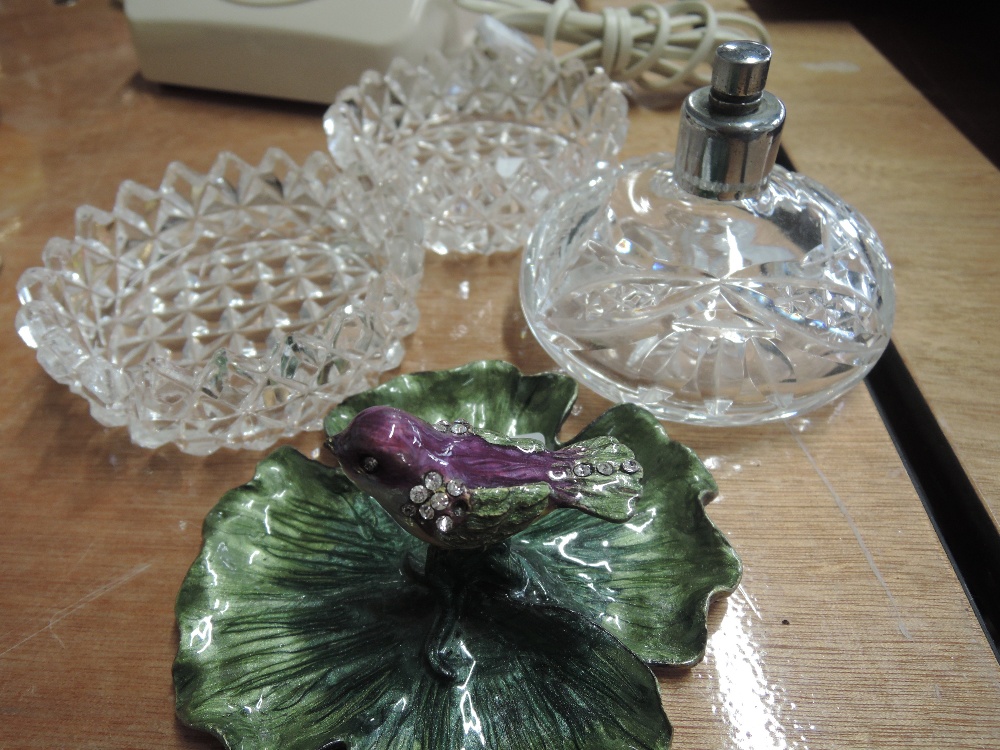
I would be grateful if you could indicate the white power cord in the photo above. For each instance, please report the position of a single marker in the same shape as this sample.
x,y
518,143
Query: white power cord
x,y
654,46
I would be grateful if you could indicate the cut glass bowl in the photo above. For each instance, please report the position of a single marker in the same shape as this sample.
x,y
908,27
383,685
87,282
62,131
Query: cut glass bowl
x,y
484,140
230,308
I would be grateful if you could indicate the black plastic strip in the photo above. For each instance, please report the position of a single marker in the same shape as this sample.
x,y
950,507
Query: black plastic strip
x,y
962,522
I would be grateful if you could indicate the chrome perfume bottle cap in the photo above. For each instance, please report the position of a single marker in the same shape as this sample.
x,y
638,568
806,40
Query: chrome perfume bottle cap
x,y
730,131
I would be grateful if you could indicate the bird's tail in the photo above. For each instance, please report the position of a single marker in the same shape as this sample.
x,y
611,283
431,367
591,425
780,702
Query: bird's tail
x,y
599,476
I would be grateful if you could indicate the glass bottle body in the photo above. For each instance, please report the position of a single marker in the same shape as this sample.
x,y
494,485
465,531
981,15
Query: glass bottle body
x,y
707,311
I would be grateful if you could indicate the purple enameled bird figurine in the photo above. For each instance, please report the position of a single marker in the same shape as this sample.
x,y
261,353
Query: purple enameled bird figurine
x,y
464,488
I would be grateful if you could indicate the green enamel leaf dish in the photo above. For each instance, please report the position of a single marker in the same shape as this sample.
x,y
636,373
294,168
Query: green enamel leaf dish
x,y
311,621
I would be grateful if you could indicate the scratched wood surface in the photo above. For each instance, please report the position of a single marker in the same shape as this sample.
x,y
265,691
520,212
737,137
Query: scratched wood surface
x,y
849,630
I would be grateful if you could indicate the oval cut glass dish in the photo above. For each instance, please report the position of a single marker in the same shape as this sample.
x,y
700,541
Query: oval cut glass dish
x,y
230,308
484,139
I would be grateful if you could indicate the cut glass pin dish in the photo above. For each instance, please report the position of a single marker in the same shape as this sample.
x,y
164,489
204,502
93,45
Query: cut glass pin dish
x,y
484,139
230,308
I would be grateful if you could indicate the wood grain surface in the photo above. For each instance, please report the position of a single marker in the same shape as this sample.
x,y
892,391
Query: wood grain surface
x,y
849,630
855,124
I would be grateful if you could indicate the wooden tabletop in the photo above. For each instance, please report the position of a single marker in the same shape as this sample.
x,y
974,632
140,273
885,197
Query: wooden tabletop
x,y
850,629
857,125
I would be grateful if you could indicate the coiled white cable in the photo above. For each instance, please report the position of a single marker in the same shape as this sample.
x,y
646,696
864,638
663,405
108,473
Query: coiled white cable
x,y
654,46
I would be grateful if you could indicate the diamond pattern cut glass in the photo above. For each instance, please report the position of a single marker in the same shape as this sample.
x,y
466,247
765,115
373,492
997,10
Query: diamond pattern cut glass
x,y
227,309
484,140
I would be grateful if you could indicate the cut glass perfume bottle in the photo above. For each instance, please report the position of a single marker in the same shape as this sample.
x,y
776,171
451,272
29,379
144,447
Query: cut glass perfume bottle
x,y
712,287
